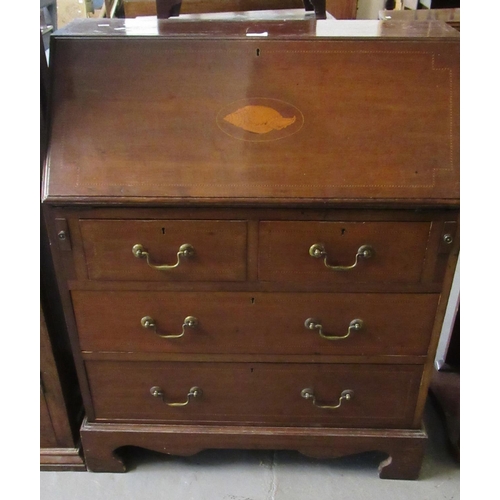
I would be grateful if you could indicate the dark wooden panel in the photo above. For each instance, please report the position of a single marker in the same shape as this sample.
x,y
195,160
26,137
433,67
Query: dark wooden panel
x,y
255,323
399,251
48,438
184,121
219,246
384,395
342,9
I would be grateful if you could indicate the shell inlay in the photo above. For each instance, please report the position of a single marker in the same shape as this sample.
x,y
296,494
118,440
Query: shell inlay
x,y
259,119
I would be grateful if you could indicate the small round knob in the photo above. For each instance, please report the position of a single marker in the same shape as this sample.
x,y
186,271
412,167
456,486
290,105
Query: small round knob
x,y
356,324
347,395
191,321
317,251
138,250
148,322
186,250
448,239
307,393
156,391
366,251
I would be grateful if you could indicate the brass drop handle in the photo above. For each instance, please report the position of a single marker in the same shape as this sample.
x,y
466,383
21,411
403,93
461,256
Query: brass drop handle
x,y
185,251
194,392
315,324
149,323
346,395
318,251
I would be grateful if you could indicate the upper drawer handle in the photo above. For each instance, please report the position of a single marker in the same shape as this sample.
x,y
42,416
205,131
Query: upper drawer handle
x,y
186,250
194,392
344,395
312,324
149,323
318,251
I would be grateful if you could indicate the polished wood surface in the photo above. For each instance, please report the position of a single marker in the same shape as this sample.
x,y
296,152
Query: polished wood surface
x,y
219,249
61,408
239,323
311,135
257,393
196,154
405,448
394,259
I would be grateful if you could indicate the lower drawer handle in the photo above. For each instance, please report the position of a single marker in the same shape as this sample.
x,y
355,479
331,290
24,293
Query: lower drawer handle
x,y
149,323
345,395
318,251
185,251
194,392
314,324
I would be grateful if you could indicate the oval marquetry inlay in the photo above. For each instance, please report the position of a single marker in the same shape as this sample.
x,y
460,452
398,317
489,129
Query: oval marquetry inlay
x,y
260,119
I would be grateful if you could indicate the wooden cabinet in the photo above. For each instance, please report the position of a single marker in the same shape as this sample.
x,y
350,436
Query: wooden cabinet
x,y
258,240
61,408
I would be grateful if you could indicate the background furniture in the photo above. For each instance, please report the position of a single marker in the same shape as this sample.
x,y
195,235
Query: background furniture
x,y
61,408
340,9
449,16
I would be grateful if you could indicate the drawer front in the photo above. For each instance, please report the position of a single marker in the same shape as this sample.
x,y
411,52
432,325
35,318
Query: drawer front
x,y
259,323
260,393
130,250
359,252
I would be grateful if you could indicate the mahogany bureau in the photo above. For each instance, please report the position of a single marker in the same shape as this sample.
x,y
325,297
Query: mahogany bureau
x,y
255,227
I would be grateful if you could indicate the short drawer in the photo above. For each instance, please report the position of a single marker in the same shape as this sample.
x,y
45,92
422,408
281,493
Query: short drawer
x,y
255,323
260,393
165,250
342,252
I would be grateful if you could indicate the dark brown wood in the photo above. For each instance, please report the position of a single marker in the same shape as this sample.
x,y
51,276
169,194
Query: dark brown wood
x,y
168,8
61,409
134,8
342,9
395,259
256,393
188,155
404,447
47,435
243,164
219,247
238,323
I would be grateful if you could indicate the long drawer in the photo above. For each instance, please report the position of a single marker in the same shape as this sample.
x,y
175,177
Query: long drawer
x,y
262,393
165,250
255,323
342,252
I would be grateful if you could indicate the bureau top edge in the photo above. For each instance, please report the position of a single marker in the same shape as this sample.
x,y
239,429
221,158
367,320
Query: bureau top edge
x,y
159,202
312,29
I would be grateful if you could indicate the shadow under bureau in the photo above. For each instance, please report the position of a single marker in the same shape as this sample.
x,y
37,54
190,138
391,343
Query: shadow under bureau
x,y
255,237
